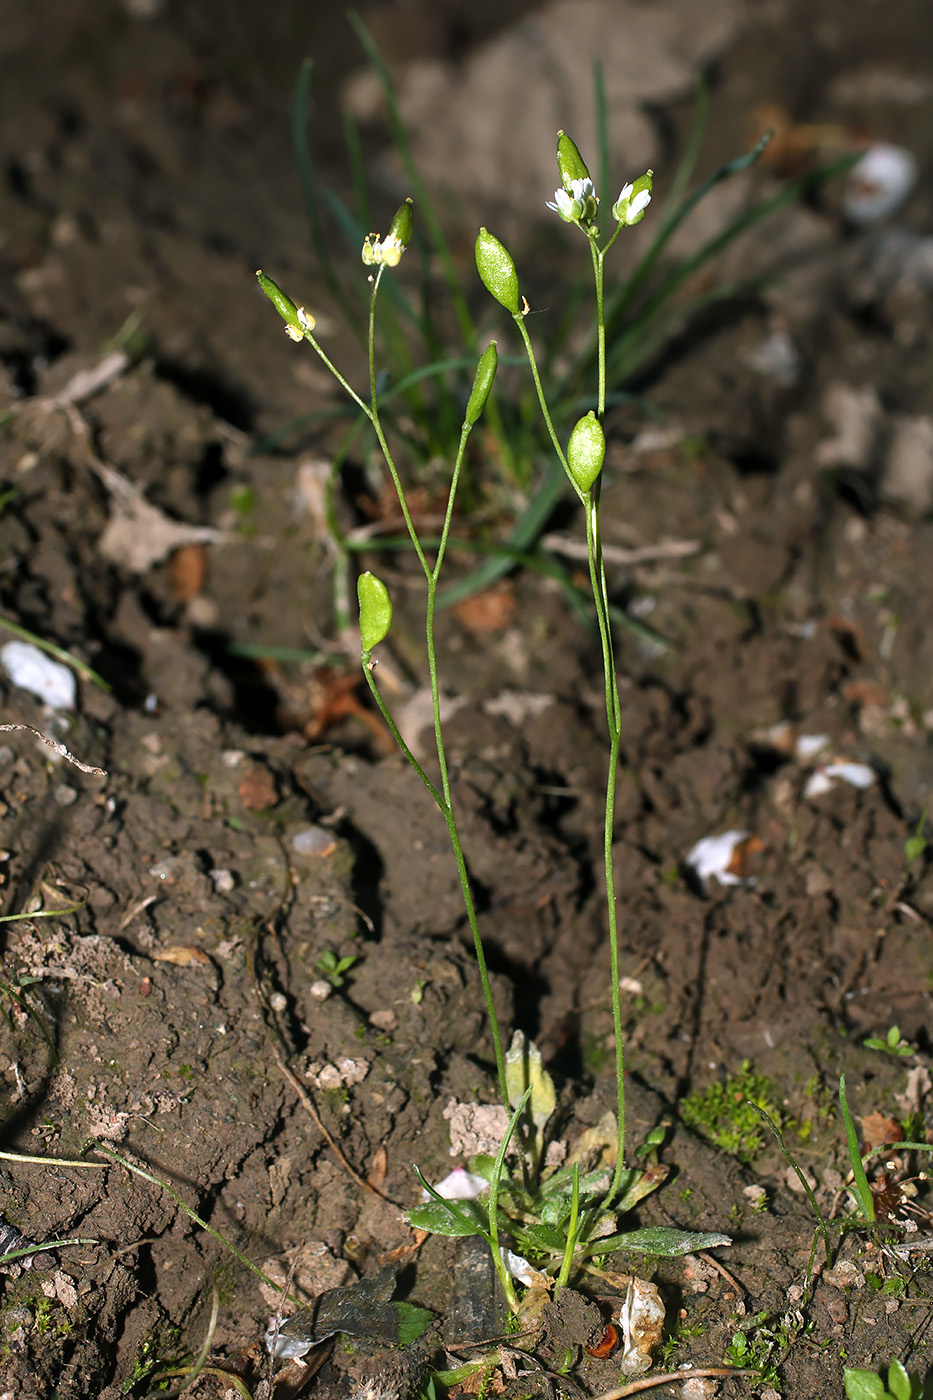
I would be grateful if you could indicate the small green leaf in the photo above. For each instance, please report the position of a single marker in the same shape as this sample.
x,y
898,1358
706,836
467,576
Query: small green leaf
x,y
412,1322
570,163
482,384
863,1385
864,1199
586,452
375,610
659,1239
899,1382
497,270
914,848
441,1221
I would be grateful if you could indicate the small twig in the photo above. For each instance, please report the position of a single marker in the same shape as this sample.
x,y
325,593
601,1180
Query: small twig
x,y
136,908
649,1382
307,1104
58,748
572,548
720,1269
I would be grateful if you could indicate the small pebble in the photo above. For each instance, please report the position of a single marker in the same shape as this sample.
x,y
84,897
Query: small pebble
x,y
314,841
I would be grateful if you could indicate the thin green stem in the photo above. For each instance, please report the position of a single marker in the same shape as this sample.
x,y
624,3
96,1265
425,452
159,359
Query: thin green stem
x,y
443,796
495,1177
600,590
539,390
598,259
373,413
573,1229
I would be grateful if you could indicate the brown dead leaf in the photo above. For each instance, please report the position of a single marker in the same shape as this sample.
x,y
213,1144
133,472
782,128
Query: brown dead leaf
x,y
333,696
188,569
182,956
489,611
257,790
878,1130
865,693
376,1175
138,535
743,857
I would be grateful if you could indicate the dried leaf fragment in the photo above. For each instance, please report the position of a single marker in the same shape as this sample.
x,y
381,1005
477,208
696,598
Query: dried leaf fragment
x,y
182,956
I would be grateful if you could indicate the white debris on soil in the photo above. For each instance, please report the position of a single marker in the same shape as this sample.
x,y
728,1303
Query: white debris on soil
x,y
775,358
339,1075
855,416
30,669
314,841
907,476
711,858
517,706
475,1127
641,1320
879,183
825,778
845,1274
699,1388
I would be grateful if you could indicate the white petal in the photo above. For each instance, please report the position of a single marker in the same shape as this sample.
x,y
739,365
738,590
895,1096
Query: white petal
x,y
710,858
32,670
879,183
460,1185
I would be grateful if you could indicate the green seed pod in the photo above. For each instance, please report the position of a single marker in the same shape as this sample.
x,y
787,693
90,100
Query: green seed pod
x,y
495,266
482,384
570,163
402,224
283,305
585,452
375,610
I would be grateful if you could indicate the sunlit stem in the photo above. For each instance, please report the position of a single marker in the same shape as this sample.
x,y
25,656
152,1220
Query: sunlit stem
x,y
441,796
495,1176
573,1227
590,501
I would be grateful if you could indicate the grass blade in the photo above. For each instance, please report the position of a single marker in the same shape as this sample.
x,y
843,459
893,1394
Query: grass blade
x,y
865,1199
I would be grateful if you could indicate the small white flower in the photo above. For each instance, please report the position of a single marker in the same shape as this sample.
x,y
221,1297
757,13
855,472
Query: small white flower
x,y
578,205
630,207
387,251
306,322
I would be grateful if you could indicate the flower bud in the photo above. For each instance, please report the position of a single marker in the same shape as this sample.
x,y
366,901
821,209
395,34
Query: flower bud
x,y
630,207
495,266
375,611
482,383
585,452
570,163
284,306
402,224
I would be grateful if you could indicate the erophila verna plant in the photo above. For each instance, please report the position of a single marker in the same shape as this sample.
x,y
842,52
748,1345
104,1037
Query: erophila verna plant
x,y
539,1223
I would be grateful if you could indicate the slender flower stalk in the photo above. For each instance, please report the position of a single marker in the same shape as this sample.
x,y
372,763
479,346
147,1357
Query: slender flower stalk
x,y
577,202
